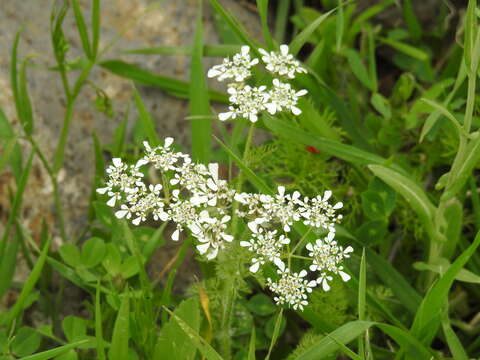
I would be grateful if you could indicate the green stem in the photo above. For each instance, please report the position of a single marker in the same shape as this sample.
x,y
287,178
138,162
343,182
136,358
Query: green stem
x,y
240,178
60,150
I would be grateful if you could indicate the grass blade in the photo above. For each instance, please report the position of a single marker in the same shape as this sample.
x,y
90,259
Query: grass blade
x,y
82,29
362,287
454,344
98,325
406,49
262,6
49,354
201,126
276,331
95,27
300,40
121,333
251,345
427,318
176,87
200,343
281,18
413,25
343,335
145,119
218,50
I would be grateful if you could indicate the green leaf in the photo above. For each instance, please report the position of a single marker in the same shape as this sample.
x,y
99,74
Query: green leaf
x,y
348,153
297,43
217,50
82,29
95,27
382,105
176,87
121,333
440,265
145,119
281,19
470,33
251,346
201,126
70,254
343,335
234,25
358,68
200,343
74,328
413,25
406,49
465,169
454,344
412,193
454,216
427,318
25,112
98,325
25,342
8,263
278,328
262,6
49,354
363,17
93,252
173,340
112,262
261,304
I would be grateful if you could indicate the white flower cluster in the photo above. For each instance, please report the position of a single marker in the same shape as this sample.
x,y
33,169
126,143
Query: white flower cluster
x,y
247,101
194,198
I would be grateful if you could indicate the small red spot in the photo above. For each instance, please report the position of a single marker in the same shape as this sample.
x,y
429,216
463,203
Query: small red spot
x,y
312,149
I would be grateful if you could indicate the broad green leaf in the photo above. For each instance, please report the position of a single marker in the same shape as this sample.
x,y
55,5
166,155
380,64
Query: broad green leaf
x,y
409,190
93,252
70,255
121,333
49,354
200,343
427,318
25,342
112,262
173,340
74,328
177,87
201,126
145,119
344,335
382,105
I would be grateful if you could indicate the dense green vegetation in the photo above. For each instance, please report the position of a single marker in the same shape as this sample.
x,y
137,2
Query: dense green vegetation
x,y
389,125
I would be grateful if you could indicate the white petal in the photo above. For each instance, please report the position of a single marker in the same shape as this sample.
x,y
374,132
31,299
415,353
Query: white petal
x,y
141,162
302,273
225,116
103,190
284,49
121,214
211,184
194,228
325,285
202,249
176,235
213,72
309,246
301,92
244,243
147,146
271,108
326,195
163,216
344,275
168,142
254,268
117,162
137,221
245,49
295,110
212,254
280,264
338,205
227,237
281,190
312,283
252,225
112,201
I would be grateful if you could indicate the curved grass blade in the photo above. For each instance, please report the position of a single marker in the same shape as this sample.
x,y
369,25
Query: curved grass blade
x,y
145,119
176,87
49,354
121,333
251,345
82,29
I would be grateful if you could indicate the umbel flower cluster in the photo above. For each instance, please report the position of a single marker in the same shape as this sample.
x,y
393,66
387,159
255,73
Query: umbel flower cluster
x,y
194,198
248,101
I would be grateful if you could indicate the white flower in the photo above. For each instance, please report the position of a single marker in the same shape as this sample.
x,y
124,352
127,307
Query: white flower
x,y
210,231
319,213
291,289
283,97
327,256
162,157
182,212
238,68
246,102
281,63
265,244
